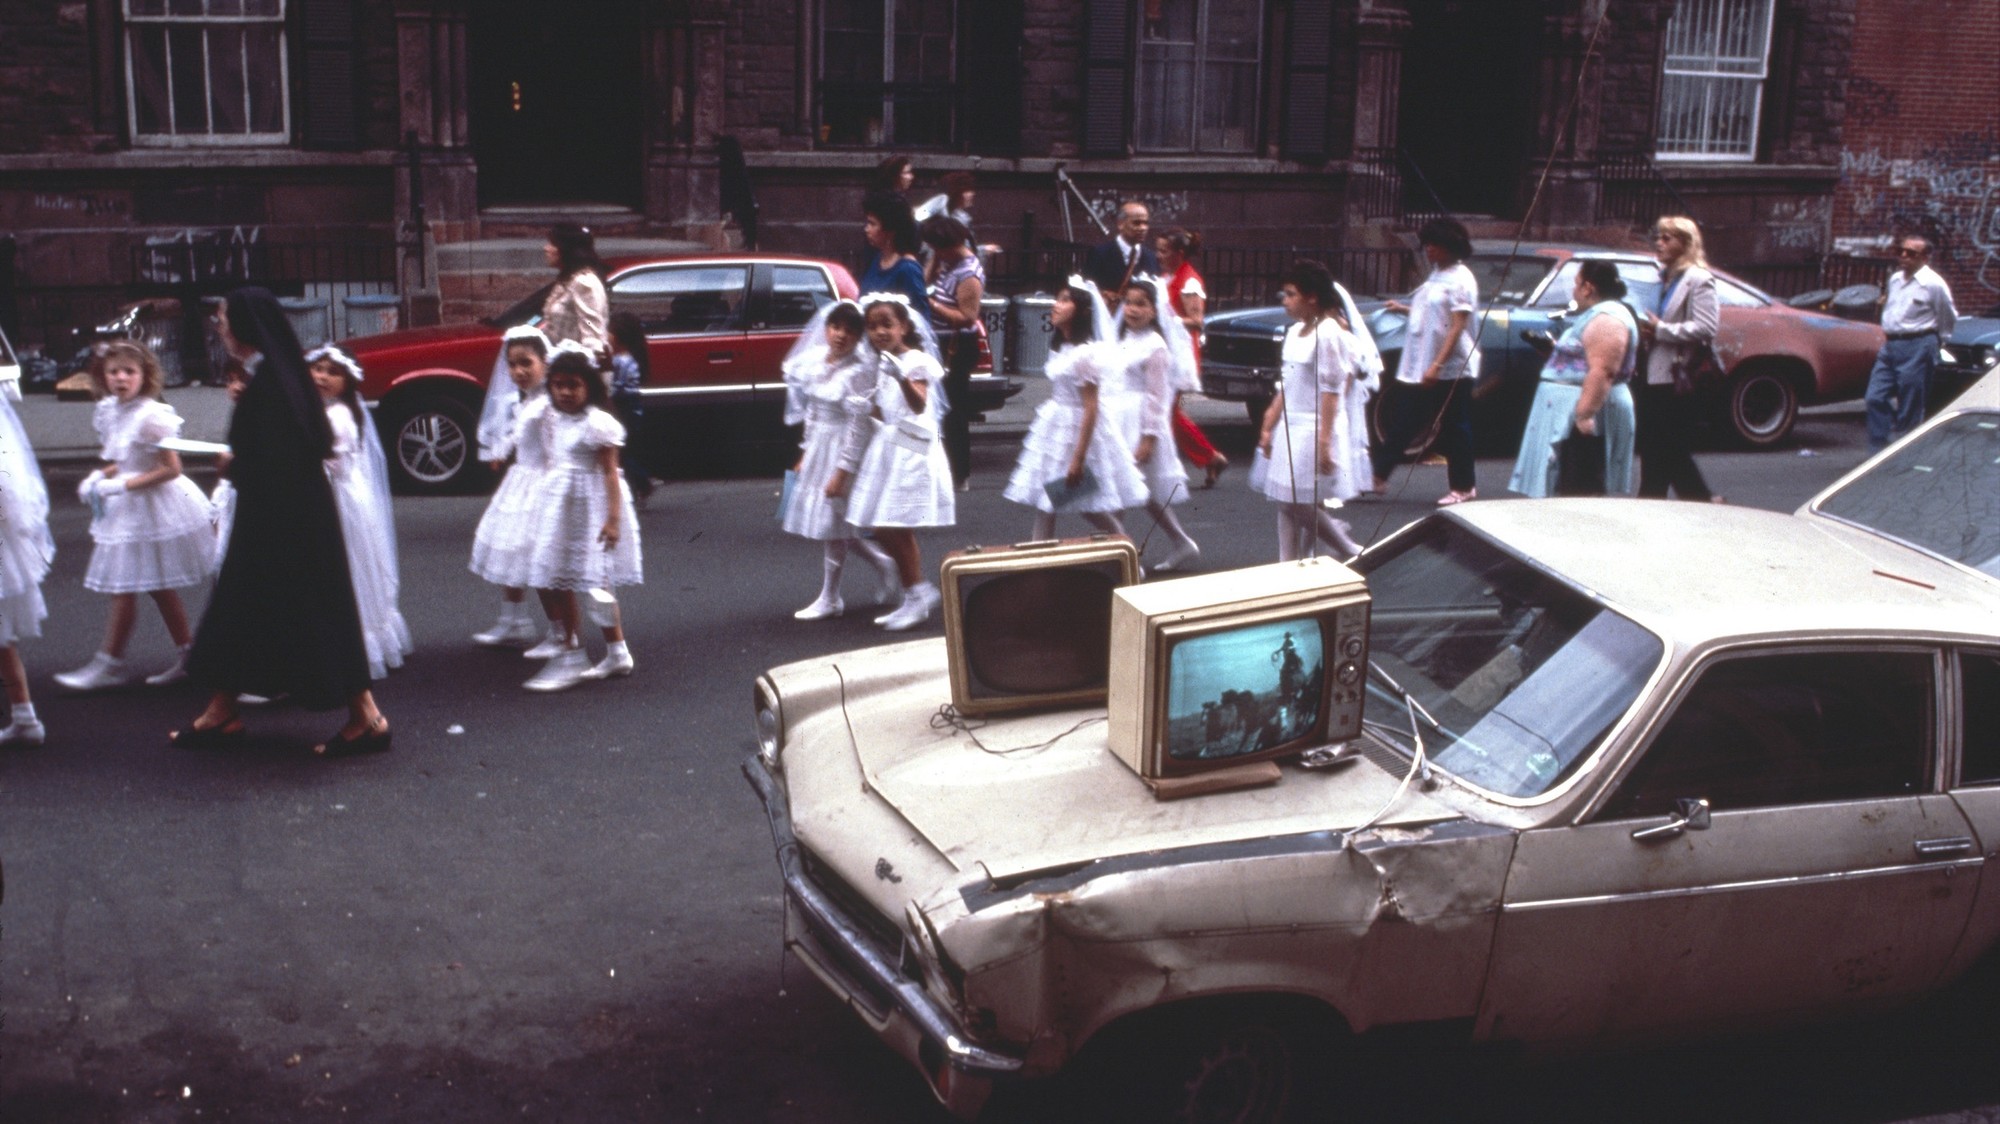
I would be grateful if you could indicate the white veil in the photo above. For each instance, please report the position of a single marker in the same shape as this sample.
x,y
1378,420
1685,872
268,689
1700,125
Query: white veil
x,y
496,416
1185,374
800,361
373,464
927,341
1364,340
1104,325
24,503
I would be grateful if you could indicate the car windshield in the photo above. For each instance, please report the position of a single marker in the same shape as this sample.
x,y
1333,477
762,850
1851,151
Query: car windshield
x,y
1522,674
1940,492
1508,280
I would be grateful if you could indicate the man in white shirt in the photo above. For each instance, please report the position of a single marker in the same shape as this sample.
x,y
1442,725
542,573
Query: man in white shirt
x,y
1917,315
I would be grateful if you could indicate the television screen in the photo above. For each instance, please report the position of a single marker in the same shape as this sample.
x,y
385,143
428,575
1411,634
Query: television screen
x,y
1037,632
1241,691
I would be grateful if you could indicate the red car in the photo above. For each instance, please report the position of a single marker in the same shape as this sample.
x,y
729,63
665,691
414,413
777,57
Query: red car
x,y
718,327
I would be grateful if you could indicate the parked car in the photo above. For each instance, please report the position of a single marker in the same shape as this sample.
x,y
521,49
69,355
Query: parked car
x,y
1777,358
1629,770
718,327
1972,351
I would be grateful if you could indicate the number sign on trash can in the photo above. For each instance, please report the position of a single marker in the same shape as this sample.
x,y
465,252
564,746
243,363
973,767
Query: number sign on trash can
x,y
1028,336
993,313
371,314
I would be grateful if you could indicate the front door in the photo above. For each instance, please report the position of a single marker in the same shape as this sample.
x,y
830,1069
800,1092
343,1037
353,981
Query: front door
x,y
556,91
1832,871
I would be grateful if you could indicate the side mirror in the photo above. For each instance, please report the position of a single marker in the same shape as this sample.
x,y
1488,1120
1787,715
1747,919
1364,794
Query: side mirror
x,y
1690,814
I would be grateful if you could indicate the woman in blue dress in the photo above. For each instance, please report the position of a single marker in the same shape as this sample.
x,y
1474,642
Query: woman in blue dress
x,y
891,230
1585,388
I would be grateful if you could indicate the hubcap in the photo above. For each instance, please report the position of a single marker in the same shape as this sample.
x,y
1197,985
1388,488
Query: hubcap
x,y
1245,1079
431,448
1761,406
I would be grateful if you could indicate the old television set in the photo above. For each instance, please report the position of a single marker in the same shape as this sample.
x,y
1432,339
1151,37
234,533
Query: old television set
x,y
1235,669
1029,625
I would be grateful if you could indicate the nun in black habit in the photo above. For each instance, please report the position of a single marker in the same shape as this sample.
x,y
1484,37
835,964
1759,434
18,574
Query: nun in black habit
x,y
282,620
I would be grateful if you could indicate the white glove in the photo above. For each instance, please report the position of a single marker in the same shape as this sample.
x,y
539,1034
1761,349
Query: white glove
x,y
88,487
857,405
110,487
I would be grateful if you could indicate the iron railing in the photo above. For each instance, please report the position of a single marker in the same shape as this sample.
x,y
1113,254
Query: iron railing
x,y
1385,183
1632,190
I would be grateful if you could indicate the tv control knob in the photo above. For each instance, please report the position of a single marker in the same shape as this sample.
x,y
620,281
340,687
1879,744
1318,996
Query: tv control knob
x,y
1351,648
1347,674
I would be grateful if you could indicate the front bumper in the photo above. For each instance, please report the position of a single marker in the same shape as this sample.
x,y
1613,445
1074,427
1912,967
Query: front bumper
x,y
1238,384
855,966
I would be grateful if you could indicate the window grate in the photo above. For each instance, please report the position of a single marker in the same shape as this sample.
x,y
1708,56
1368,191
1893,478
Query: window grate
x,y
1712,82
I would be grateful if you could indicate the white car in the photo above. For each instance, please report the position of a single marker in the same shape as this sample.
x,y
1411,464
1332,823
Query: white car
x,y
1684,767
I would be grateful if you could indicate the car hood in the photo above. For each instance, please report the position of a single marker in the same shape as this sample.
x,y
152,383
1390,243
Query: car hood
x,y
361,347
1012,808
1976,329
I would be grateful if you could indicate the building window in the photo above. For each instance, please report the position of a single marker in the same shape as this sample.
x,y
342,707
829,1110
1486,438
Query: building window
x,y
1712,84
206,71
1196,87
887,73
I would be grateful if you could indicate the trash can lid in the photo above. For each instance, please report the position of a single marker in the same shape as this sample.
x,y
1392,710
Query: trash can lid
x,y
301,304
372,300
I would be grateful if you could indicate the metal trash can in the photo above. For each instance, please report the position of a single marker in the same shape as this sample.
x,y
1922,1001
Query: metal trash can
x,y
311,319
993,313
157,324
371,314
1028,335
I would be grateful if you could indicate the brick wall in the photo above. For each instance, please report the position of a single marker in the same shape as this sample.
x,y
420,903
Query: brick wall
x,y
1921,151
46,89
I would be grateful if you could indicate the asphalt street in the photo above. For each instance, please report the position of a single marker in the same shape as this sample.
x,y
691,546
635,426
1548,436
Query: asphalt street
x,y
564,908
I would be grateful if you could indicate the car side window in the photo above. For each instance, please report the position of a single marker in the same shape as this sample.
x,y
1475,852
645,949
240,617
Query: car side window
x,y
1979,699
1561,287
1642,284
683,299
1736,296
1797,728
798,291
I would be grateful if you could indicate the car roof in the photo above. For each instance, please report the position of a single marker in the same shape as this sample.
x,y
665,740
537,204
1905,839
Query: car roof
x,y
1697,573
1501,247
613,265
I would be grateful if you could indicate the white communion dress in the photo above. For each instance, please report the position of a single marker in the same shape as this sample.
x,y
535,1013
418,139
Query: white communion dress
x,y
1143,406
1053,434
26,547
368,527
502,547
832,399
904,479
571,504
1323,362
157,537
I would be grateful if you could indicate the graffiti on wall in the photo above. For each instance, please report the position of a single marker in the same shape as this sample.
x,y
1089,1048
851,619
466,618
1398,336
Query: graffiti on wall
x,y
1948,193
1167,207
197,255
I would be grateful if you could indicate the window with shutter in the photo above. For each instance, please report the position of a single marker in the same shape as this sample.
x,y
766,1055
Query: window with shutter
x,y
1106,68
331,118
1196,78
206,72
1308,60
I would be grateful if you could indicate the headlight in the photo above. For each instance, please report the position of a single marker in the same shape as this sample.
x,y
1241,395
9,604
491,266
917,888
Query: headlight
x,y
769,721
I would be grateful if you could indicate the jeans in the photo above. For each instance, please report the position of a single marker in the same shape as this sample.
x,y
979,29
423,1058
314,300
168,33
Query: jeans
x,y
961,354
1897,387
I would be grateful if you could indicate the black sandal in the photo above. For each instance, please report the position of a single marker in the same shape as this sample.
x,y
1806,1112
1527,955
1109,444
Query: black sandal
x,y
373,740
218,736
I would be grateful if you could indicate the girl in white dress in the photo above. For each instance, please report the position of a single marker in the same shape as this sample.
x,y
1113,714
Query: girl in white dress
x,y
829,380
150,522
1144,407
586,531
904,481
359,473
511,429
1298,458
26,549
1073,438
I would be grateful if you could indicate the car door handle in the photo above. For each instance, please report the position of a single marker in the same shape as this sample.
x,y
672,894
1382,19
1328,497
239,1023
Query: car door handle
x,y
1953,845
721,356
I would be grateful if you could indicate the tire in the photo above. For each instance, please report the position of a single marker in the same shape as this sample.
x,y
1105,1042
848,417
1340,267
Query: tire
x,y
1760,406
431,444
1233,1064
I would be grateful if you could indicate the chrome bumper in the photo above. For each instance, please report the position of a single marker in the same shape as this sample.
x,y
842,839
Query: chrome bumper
x,y
830,925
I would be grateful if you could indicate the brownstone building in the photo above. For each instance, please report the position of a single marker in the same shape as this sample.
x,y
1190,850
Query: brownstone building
x,y
421,146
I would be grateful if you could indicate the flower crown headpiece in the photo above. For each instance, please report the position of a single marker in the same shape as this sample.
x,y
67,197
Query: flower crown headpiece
x,y
520,332
1079,281
571,347
334,355
870,300
1146,279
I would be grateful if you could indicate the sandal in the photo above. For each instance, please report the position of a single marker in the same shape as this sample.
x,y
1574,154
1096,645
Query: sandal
x,y
1453,497
192,736
373,740
1214,471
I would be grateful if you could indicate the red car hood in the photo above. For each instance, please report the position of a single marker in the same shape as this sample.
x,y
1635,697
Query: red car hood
x,y
397,345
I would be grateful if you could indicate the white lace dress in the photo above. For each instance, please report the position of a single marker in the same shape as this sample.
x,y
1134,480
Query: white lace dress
x,y
1052,437
1141,398
26,547
832,400
571,504
1323,363
503,546
898,485
369,532
155,538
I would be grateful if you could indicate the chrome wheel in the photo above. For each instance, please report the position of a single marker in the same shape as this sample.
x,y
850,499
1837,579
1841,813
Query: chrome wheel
x,y
1763,404
433,443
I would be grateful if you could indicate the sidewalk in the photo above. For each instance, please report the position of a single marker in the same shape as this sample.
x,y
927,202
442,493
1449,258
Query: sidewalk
x,y
61,434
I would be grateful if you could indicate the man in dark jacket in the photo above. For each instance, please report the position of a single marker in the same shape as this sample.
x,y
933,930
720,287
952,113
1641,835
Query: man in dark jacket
x,y
1111,264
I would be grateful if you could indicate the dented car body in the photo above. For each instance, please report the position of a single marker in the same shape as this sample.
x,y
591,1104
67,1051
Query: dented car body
x,y
1630,769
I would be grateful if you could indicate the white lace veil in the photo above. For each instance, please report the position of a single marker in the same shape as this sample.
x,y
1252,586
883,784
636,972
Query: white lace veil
x,y
927,340
496,416
1185,374
24,503
1103,324
801,360
373,463
1364,340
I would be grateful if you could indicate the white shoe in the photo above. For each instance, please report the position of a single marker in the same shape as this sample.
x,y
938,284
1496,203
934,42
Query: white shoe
x,y
101,672
820,610
23,733
173,674
900,602
614,665
551,646
561,673
1180,559
915,610
507,634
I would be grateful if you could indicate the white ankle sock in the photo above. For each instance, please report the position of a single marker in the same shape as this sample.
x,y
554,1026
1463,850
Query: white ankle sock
x,y
616,648
24,712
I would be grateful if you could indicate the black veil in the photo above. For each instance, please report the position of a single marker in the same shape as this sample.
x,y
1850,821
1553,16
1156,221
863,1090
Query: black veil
x,y
256,319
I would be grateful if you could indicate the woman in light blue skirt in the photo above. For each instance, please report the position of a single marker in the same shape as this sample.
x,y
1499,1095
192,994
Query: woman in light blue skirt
x,y
1585,389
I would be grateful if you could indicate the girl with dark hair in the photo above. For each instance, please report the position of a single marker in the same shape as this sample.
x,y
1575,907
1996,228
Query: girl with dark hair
x,y
282,619
1187,299
1440,360
150,522
576,307
512,442
891,231
1299,464
1074,459
629,370
958,282
1585,394
360,474
1153,350
829,384
586,532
